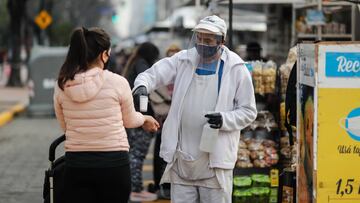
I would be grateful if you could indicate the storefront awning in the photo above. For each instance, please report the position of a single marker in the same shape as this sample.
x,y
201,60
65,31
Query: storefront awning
x,y
263,1
189,16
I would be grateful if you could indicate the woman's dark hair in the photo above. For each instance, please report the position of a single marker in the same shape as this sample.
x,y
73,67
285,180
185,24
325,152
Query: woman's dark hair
x,y
85,47
148,51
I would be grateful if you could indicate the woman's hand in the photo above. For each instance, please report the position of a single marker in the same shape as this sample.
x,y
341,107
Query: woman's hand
x,y
150,124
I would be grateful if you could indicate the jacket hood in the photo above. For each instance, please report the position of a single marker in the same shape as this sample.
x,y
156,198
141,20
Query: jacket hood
x,y
85,86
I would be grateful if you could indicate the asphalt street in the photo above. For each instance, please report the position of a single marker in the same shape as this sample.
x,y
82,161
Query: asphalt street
x,y
24,145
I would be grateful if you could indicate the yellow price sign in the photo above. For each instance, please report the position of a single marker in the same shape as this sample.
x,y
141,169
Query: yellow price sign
x,y
43,19
338,139
338,146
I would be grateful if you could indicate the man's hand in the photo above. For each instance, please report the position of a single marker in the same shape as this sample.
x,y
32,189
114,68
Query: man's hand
x,y
141,90
215,120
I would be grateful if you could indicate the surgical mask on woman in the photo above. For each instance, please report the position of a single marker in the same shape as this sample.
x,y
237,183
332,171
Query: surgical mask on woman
x,y
106,64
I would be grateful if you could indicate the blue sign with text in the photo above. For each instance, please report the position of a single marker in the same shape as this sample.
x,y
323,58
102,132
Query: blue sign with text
x,y
342,64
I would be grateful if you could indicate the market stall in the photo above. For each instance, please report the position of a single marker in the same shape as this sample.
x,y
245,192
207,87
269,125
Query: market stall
x,y
328,122
256,175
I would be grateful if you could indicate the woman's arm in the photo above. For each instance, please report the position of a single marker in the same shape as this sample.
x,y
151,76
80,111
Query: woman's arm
x,y
131,118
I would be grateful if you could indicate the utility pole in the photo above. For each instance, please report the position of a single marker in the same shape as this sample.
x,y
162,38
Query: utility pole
x,y
41,33
197,3
230,32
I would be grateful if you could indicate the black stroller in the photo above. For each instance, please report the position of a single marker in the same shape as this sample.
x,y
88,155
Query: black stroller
x,y
54,176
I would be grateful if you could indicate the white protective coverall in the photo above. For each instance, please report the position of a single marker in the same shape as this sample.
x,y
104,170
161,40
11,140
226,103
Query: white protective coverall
x,y
235,102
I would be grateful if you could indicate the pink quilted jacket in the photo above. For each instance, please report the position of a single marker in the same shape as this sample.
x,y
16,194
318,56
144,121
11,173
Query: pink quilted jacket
x,y
93,110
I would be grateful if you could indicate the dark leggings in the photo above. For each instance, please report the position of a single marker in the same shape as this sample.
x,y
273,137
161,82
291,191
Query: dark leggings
x,y
97,185
139,141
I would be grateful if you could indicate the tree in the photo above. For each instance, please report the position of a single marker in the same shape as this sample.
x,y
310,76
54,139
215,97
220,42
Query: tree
x,y
4,28
17,12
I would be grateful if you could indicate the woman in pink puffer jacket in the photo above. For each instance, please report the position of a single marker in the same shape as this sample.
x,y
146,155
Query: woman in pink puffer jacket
x,y
93,107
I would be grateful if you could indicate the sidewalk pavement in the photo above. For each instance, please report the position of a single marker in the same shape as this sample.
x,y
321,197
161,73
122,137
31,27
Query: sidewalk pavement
x,y
13,100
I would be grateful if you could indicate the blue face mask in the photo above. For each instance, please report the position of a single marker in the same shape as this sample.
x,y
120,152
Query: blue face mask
x,y
206,51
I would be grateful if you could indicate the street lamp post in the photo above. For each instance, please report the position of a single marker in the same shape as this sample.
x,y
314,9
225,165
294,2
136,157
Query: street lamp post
x,y
230,32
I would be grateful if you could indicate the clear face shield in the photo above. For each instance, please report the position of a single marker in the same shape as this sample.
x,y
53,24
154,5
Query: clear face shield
x,y
205,47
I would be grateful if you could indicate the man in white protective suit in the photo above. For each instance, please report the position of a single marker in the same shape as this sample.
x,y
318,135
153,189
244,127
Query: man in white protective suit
x,y
213,99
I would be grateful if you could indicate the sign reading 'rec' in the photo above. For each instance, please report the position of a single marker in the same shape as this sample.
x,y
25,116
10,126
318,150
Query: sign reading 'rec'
x,y
342,64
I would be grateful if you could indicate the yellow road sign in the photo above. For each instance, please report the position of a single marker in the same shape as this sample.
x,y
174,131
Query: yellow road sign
x,y
43,19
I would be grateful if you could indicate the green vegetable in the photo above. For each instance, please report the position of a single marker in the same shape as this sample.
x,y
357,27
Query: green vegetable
x,y
242,195
260,180
242,181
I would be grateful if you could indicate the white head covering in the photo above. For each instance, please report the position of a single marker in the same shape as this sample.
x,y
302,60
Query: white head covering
x,y
213,24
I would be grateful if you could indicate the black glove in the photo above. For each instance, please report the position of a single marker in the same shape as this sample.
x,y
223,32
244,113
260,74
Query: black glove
x,y
215,120
141,90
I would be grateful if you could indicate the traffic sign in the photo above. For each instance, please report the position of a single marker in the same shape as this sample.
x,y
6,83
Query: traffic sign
x,y
43,19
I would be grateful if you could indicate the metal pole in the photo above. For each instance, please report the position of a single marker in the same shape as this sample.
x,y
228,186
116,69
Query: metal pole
x,y
41,33
197,3
51,180
230,32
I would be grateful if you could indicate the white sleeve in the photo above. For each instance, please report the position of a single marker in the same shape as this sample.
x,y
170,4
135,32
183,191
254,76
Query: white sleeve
x,y
162,73
245,107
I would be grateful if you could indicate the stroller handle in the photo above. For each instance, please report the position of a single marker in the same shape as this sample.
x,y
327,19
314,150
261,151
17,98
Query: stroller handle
x,y
53,146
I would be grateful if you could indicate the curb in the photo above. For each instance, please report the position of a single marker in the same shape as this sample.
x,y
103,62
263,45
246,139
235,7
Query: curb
x,y
8,115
